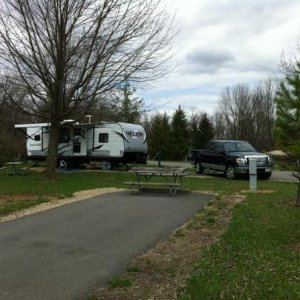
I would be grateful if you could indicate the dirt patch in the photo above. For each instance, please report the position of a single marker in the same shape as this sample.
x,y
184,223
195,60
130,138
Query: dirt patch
x,y
17,198
54,202
260,191
296,247
37,169
163,271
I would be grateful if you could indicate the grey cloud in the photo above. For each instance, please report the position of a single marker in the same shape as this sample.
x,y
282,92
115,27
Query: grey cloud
x,y
242,19
207,61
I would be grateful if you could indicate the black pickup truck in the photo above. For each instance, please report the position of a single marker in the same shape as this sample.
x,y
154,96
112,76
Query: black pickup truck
x,y
232,158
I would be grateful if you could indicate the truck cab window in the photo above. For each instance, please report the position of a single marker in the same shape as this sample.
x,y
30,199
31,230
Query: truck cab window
x,y
219,147
212,146
103,137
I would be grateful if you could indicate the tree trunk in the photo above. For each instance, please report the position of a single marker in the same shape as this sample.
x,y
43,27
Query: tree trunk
x,y
52,151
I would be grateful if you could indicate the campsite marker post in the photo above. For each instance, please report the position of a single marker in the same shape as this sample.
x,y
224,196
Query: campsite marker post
x,y
252,174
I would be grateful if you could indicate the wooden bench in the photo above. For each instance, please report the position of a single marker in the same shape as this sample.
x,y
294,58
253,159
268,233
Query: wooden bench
x,y
137,186
24,171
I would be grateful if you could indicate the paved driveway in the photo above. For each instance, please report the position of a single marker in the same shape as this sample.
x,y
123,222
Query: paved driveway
x,y
65,252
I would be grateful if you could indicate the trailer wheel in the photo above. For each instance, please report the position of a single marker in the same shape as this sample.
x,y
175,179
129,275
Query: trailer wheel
x,y
62,164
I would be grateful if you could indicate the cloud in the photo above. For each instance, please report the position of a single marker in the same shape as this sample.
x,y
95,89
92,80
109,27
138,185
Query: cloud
x,y
223,43
205,61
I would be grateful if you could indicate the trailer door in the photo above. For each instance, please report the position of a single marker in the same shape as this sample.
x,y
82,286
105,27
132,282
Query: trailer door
x,y
34,140
79,143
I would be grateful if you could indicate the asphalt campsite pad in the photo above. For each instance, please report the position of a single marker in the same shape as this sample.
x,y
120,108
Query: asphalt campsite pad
x,y
68,251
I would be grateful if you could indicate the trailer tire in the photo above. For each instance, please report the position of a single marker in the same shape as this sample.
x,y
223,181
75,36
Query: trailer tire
x,y
62,164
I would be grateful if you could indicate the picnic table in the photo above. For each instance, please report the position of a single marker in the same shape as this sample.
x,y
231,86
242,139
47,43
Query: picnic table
x,y
150,177
15,168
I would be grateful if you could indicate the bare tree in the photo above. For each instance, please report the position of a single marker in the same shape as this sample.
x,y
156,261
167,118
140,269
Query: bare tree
x,y
67,55
235,109
11,142
247,114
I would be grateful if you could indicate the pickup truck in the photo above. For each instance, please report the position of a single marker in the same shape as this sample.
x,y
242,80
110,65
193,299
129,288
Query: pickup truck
x,y
232,158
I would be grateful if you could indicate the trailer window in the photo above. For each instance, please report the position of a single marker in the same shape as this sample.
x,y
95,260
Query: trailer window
x,y
37,138
77,131
64,135
103,137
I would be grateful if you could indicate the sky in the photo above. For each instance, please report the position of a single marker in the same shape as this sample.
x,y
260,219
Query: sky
x,y
222,43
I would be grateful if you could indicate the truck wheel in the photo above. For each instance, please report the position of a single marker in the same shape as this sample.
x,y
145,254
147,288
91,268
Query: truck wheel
x,y
230,172
198,168
265,175
62,164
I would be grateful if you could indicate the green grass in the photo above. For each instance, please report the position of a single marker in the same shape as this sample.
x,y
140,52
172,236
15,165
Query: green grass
x,y
257,257
65,185
15,206
133,269
119,282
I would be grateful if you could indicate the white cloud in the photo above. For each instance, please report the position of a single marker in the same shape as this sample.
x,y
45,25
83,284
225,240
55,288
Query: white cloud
x,y
225,42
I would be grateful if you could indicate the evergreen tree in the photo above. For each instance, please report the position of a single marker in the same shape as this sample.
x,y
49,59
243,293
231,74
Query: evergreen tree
x,y
159,136
288,115
202,132
288,111
124,105
130,108
206,131
179,135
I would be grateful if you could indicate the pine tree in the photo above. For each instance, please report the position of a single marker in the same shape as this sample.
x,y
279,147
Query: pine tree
x,y
159,136
124,105
179,135
202,132
288,115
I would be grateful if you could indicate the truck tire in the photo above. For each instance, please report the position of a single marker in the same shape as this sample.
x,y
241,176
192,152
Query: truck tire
x,y
62,164
265,175
198,168
230,172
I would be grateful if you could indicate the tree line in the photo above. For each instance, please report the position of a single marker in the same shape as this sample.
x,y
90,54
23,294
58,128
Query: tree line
x,y
65,58
242,113
171,137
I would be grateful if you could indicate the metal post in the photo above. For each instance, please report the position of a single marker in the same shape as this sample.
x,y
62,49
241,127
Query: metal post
x,y
252,174
159,159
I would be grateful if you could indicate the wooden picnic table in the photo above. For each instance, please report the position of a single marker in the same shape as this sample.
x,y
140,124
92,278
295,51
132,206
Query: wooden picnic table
x,y
171,177
15,168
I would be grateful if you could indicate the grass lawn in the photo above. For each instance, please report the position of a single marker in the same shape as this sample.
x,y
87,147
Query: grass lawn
x,y
257,258
34,189
259,255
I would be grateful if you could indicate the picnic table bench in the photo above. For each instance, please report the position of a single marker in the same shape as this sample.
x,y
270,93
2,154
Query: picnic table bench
x,y
172,178
15,168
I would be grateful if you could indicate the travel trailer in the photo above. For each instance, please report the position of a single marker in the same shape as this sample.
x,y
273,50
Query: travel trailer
x,y
114,143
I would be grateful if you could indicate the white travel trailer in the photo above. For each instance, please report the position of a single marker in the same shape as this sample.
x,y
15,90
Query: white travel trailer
x,y
115,143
